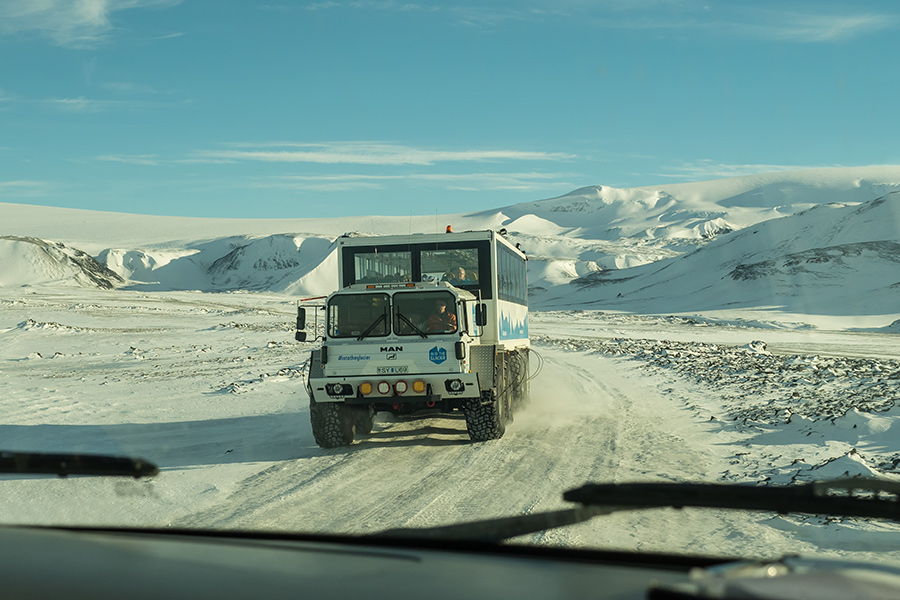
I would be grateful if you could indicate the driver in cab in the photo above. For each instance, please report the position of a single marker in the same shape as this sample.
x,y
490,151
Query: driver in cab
x,y
441,320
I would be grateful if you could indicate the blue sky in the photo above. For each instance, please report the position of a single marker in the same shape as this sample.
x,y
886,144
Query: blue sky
x,y
338,108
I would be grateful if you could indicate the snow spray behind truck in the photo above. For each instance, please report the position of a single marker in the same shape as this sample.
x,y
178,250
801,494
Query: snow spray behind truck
x,y
421,323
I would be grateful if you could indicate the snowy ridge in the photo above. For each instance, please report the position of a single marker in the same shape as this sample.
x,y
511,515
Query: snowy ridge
x,y
627,249
31,261
831,259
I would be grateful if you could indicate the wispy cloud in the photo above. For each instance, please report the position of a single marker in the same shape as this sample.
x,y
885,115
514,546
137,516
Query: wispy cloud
x,y
82,104
809,27
371,153
85,105
806,22
709,169
73,23
24,188
476,182
125,87
132,159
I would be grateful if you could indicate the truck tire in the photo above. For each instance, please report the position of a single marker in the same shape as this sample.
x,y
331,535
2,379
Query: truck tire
x,y
486,418
365,419
333,423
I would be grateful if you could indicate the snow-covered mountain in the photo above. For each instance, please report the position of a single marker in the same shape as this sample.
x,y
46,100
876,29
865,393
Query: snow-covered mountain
x,y
832,259
32,261
736,242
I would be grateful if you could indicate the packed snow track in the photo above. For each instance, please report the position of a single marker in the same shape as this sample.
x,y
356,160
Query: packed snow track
x,y
210,387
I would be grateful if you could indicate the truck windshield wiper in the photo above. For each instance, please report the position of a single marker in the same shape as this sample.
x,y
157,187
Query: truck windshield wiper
x,y
858,497
406,320
41,463
372,327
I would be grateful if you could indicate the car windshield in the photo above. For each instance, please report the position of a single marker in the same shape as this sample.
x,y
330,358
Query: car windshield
x,y
344,267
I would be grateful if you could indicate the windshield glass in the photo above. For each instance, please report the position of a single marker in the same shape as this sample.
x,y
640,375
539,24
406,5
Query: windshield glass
x,y
428,312
456,267
667,233
354,315
383,267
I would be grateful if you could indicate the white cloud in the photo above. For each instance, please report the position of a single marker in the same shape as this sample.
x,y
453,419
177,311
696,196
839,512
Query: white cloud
x,y
454,181
93,105
708,169
131,159
123,87
82,104
24,188
74,23
810,28
371,153
807,22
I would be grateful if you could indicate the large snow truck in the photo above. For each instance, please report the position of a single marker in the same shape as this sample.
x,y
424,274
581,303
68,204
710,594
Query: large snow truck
x,y
421,323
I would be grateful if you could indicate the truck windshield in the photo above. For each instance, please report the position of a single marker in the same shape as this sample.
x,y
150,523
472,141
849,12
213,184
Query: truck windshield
x,y
352,315
416,313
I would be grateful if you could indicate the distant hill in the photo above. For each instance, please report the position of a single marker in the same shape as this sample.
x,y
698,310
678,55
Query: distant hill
x,y
32,261
742,241
832,259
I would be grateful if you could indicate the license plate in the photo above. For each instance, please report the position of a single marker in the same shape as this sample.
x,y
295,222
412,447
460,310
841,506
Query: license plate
x,y
391,370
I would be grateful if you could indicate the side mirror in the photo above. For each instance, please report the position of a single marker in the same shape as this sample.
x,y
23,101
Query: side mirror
x,y
480,315
300,335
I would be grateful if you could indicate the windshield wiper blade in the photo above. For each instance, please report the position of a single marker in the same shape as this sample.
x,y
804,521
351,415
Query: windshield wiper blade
x,y
503,528
372,327
406,320
856,497
42,463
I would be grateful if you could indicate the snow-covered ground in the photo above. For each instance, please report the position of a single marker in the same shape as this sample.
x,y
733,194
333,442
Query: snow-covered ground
x,y
209,386
175,343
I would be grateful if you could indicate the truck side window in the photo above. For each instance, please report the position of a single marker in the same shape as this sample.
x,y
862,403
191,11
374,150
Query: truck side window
x,y
382,267
457,266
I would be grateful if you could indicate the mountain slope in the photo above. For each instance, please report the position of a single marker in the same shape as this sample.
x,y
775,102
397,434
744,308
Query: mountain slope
x,y
33,261
833,259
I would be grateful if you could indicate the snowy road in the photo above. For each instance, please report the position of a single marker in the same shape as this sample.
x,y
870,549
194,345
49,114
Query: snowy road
x,y
210,388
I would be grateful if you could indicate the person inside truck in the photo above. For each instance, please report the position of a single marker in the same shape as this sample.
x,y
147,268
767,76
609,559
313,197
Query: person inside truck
x,y
456,276
442,320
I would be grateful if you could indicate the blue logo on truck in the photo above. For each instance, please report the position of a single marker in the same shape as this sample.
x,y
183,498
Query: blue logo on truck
x,y
437,355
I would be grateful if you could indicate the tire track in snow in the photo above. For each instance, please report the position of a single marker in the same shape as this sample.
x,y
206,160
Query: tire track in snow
x,y
425,471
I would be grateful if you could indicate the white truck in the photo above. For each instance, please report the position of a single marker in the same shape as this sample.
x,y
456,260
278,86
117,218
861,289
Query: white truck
x,y
421,323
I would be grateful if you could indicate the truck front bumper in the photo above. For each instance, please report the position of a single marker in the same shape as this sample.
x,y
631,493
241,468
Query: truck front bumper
x,y
395,389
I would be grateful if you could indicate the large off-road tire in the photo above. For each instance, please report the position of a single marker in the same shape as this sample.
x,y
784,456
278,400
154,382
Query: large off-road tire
x,y
333,423
365,419
486,418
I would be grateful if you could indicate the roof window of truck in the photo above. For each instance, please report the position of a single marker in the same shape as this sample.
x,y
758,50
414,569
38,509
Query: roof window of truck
x,y
359,315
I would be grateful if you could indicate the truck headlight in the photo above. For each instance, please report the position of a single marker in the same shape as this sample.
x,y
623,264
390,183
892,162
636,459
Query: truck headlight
x,y
454,385
338,389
